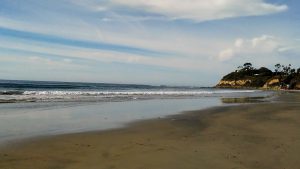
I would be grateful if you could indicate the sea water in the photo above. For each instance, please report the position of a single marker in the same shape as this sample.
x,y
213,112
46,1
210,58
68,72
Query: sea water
x,y
31,109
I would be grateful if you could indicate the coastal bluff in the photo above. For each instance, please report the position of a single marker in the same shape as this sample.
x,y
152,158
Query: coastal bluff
x,y
246,76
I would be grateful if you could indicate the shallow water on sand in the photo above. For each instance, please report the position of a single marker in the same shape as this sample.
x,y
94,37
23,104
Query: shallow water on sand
x,y
25,120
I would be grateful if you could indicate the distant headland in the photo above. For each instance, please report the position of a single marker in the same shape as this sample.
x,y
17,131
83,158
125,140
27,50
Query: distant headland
x,y
246,76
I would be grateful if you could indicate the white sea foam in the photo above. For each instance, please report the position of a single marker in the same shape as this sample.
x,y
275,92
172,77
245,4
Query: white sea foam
x,y
129,93
69,95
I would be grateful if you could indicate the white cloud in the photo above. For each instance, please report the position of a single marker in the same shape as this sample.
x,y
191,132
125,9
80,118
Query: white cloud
x,y
256,46
90,4
286,48
265,43
40,63
50,62
239,43
203,10
226,54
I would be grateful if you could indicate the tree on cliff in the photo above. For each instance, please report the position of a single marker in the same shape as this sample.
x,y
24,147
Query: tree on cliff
x,y
277,68
286,70
246,67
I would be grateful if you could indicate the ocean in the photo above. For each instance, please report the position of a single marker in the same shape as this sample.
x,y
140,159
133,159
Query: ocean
x,y
37,91
33,109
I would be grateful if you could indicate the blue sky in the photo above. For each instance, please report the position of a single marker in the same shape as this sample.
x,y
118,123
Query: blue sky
x,y
173,42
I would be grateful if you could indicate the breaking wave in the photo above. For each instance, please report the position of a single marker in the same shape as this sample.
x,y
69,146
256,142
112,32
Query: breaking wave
x,y
57,95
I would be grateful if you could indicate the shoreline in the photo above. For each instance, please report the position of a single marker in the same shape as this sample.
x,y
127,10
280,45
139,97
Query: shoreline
x,y
261,135
26,121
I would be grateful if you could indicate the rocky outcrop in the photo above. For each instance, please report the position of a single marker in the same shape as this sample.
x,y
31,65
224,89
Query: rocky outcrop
x,y
234,83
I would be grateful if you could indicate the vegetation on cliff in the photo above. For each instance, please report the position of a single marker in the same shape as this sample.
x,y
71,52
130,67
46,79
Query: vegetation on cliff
x,y
248,76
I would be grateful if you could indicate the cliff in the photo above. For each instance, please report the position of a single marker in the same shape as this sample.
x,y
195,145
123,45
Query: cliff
x,y
249,77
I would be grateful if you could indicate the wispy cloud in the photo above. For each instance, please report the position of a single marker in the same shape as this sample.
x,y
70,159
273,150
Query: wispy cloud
x,y
203,10
78,43
97,55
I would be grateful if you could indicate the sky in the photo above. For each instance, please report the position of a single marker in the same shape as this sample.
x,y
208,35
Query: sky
x,y
169,42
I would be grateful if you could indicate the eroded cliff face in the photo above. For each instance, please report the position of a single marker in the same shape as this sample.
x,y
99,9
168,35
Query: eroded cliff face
x,y
272,83
234,83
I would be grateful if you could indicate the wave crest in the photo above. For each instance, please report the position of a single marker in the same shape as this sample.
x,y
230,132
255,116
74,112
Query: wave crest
x,y
64,96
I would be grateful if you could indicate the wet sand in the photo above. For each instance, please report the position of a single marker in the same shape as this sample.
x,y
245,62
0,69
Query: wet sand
x,y
258,136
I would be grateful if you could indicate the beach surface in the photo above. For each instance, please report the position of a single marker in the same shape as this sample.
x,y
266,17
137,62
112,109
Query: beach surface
x,y
258,136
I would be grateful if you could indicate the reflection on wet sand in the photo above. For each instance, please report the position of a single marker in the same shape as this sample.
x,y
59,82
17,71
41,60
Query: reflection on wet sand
x,y
243,100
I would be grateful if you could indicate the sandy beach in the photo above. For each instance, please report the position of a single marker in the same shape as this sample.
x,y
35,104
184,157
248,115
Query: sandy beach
x,y
258,136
